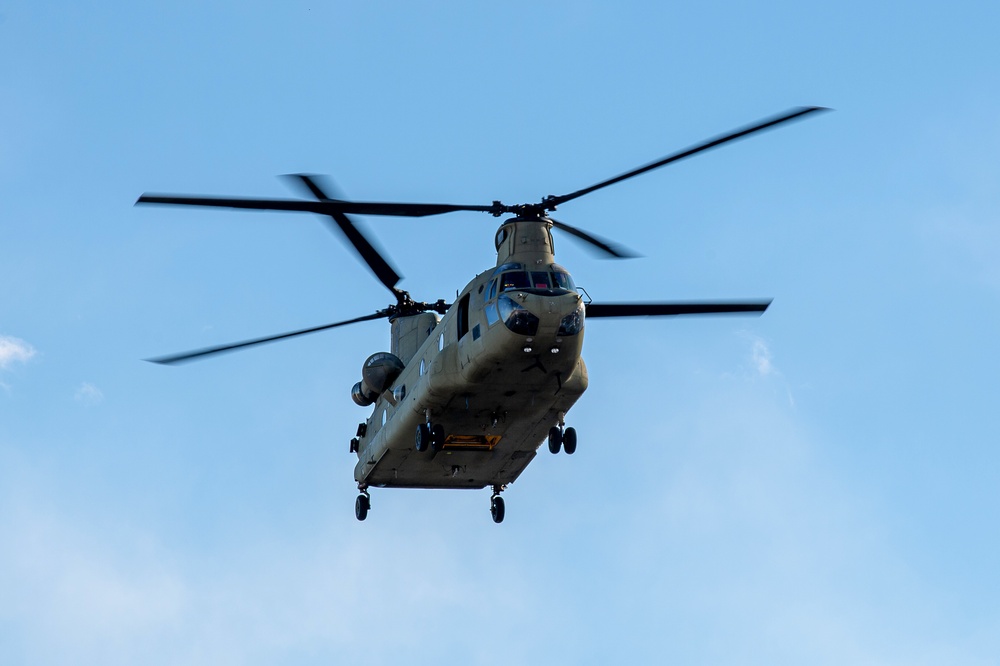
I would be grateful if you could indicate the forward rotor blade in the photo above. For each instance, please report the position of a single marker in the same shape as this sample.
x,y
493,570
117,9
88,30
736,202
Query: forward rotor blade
x,y
403,209
326,207
199,354
668,309
385,273
768,123
232,202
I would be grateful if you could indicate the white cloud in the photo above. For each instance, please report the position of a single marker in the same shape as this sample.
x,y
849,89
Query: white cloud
x,y
89,394
114,593
61,581
14,350
761,355
793,562
762,363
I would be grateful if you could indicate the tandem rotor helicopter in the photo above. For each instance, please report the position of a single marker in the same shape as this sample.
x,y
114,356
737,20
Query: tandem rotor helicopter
x,y
471,389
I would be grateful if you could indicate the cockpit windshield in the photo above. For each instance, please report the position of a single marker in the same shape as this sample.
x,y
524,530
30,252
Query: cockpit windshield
x,y
514,280
542,282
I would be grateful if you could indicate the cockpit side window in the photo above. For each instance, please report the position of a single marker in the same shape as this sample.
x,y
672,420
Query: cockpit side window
x,y
462,319
563,280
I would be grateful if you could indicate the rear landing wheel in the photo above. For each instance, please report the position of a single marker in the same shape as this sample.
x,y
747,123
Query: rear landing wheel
x,y
555,439
569,440
422,440
361,506
497,509
437,437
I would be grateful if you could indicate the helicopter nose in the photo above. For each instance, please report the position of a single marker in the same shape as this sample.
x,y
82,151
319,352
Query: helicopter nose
x,y
552,311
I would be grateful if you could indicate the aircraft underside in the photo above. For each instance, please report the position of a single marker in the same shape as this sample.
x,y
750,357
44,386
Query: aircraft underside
x,y
488,440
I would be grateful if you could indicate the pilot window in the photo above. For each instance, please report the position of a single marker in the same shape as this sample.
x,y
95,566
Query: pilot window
x,y
534,280
540,280
514,280
563,281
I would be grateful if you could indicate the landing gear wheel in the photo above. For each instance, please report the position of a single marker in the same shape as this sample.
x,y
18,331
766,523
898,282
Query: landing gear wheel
x,y
361,506
569,440
422,440
437,437
497,509
555,439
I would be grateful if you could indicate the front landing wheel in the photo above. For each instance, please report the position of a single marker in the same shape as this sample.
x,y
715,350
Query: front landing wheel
x,y
569,440
555,439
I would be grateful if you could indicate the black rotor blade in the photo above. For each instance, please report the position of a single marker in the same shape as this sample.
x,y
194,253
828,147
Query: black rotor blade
x,y
310,183
607,247
232,202
401,209
688,152
667,309
209,351
327,207
385,273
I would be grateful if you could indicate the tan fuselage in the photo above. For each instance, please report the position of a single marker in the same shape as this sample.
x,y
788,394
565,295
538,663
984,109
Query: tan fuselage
x,y
495,392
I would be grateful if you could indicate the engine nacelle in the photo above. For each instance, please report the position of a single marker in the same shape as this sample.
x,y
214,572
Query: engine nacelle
x,y
377,374
361,398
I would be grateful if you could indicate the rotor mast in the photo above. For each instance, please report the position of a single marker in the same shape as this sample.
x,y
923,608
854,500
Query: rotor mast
x,y
525,240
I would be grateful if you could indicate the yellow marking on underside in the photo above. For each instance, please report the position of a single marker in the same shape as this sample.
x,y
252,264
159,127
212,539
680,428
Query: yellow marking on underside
x,y
486,442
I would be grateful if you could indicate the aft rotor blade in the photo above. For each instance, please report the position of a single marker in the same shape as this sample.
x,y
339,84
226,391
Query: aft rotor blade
x,y
605,246
327,207
670,309
199,354
385,273
768,123
310,184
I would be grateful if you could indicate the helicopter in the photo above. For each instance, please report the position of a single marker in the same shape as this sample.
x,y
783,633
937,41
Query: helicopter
x,y
470,390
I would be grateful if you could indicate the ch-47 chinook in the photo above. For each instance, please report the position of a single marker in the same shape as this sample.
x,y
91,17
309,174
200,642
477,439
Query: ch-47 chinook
x,y
466,399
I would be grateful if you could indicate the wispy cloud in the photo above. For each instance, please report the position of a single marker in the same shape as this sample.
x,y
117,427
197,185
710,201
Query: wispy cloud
x,y
760,353
115,593
761,358
89,394
791,556
761,362
14,350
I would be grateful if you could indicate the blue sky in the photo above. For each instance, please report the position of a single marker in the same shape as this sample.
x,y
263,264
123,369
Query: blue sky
x,y
818,485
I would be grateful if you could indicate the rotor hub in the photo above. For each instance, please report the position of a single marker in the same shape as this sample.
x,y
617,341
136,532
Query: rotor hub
x,y
407,307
